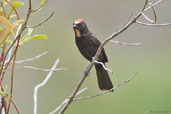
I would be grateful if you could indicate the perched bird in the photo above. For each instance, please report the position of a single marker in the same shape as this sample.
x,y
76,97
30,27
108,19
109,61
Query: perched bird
x,y
88,44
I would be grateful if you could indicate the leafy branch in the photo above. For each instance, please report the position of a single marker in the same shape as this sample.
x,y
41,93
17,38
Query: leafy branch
x,y
11,37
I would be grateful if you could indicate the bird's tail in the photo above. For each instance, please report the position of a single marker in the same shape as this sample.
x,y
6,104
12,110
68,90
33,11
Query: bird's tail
x,y
103,78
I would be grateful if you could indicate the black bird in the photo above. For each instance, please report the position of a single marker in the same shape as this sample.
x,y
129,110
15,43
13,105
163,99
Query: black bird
x,y
88,44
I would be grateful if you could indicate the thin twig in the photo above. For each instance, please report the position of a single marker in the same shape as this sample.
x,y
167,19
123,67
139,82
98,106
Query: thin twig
x,y
34,68
15,106
31,59
60,106
12,77
148,19
39,24
38,8
102,93
43,84
127,20
66,100
154,12
126,44
153,4
153,25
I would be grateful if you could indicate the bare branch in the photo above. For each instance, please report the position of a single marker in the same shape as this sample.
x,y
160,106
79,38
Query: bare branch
x,y
60,106
102,93
148,19
154,12
15,106
12,76
127,20
153,25
76,88
43,84
34,68
152,5
38,8
39,24
126,44
146,1
81,91
66,100
31,59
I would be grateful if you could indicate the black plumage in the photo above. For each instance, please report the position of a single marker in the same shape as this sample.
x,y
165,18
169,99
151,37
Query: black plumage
x,y
88,44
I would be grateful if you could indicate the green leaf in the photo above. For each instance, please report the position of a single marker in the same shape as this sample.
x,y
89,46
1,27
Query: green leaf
x,y
27,38
42,2
4,93
38,37
17,4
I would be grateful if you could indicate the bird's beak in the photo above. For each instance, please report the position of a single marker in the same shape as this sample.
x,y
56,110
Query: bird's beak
x,y
74,26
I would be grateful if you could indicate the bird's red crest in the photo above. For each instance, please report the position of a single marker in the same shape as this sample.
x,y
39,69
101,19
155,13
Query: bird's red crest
x,y
78,21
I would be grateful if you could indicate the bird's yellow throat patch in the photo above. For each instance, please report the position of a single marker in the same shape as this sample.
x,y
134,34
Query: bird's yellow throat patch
x,y
77,32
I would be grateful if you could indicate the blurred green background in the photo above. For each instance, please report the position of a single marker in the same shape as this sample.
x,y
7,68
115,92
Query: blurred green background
x,y
150,91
